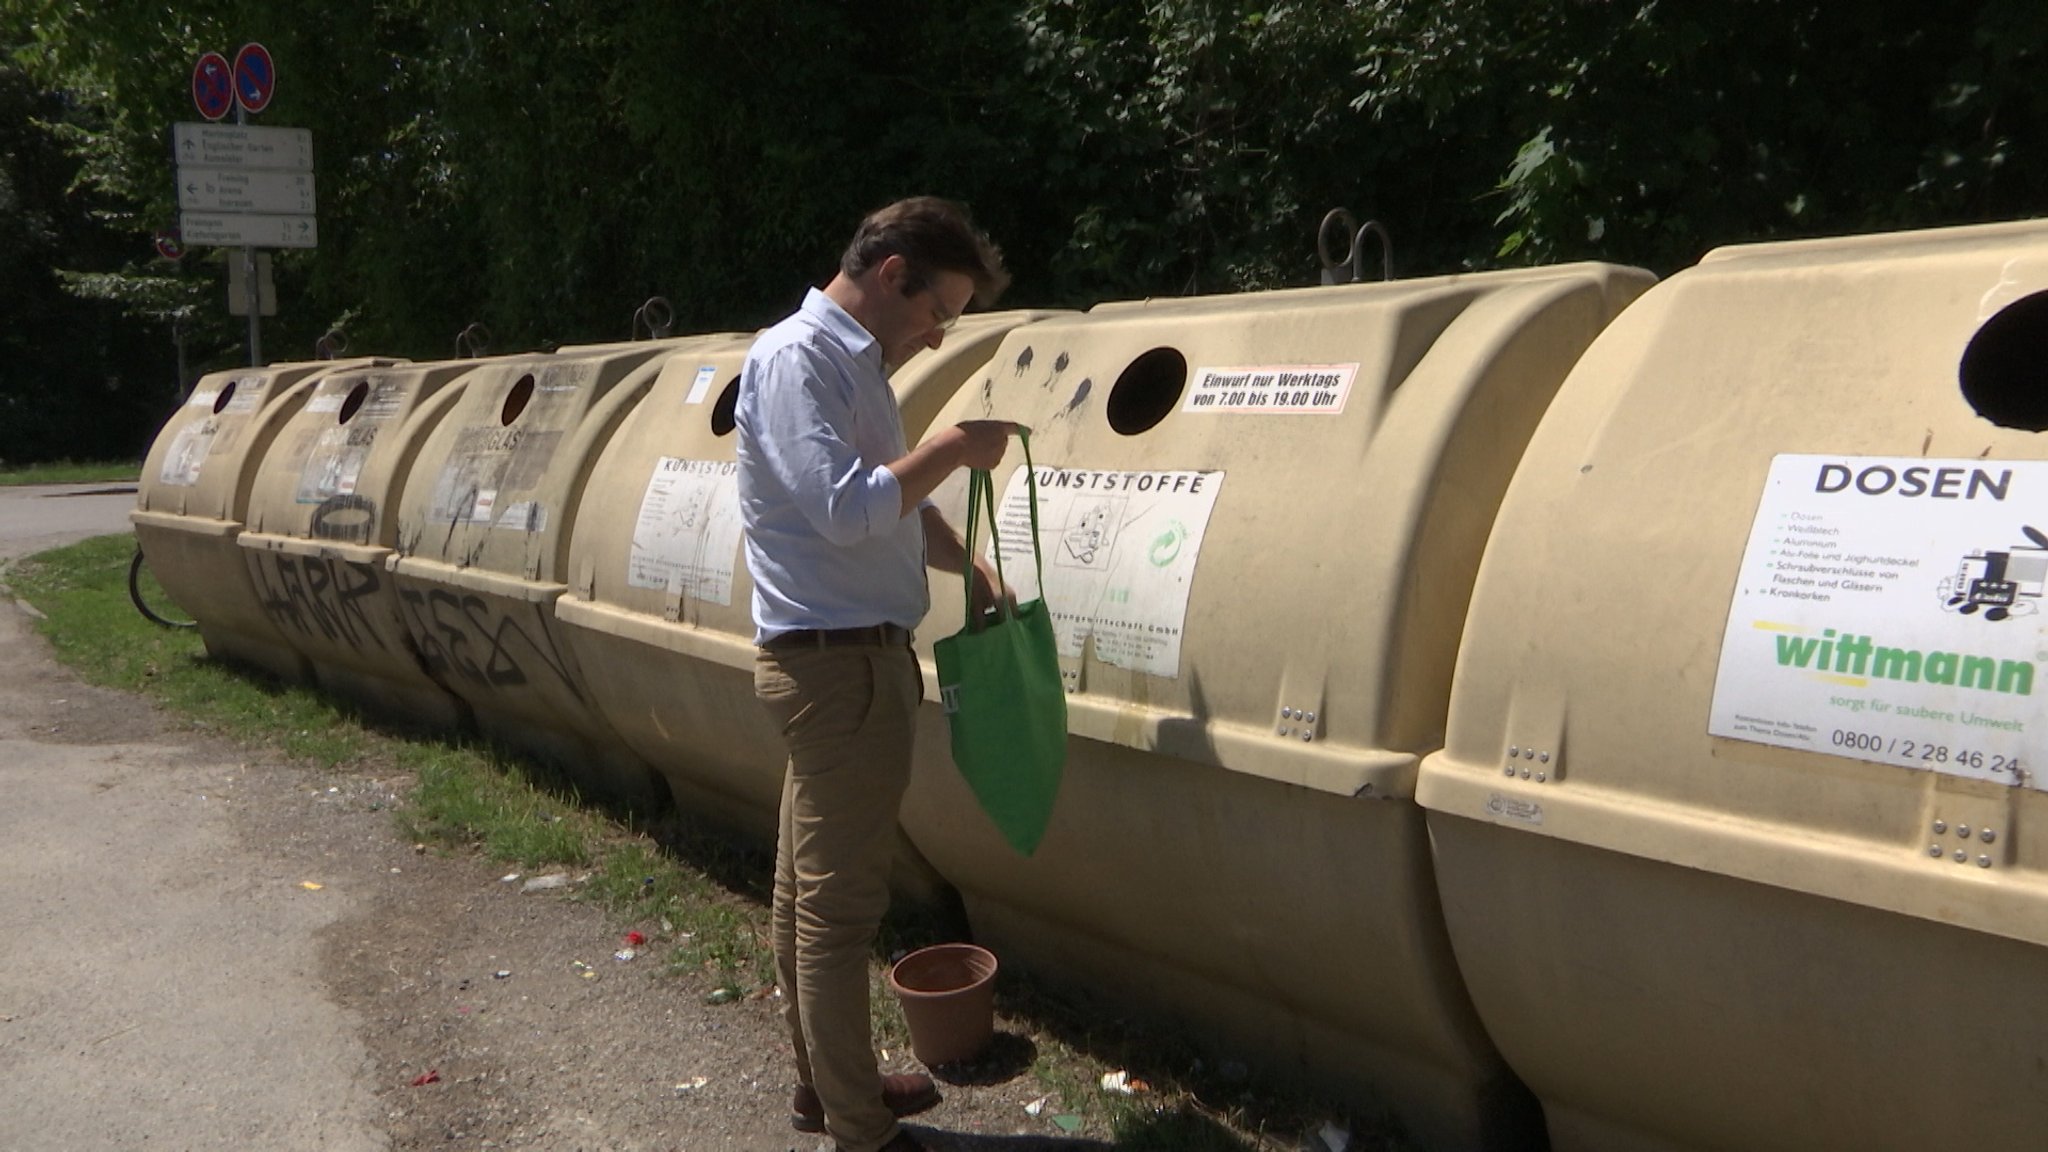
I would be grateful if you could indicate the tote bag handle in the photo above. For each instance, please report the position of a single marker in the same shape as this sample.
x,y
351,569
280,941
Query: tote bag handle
x,y
981,495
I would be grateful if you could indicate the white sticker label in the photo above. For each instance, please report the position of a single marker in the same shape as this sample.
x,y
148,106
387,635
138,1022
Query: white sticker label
x,y
523,516
335,463
701,386
187,453
1120,554
687,538
204,399
387,399
326,402
248,395
1283,389
1892,610
485,460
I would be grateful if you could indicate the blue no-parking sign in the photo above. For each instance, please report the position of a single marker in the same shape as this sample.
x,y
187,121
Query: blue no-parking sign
x,y
213,86
255,78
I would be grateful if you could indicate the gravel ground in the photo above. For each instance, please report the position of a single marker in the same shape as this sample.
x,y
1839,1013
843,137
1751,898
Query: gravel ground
x,y
274,902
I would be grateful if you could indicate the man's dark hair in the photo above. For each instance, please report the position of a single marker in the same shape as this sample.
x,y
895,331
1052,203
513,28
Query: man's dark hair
x,y
932,235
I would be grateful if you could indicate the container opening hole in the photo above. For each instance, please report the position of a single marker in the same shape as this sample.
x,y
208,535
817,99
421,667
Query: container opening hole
x,y
353,402
722,413
2005,368
220,402
515,400
1147,391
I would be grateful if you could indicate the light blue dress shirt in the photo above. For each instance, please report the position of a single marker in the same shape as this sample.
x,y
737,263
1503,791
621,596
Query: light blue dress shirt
x,y
828,544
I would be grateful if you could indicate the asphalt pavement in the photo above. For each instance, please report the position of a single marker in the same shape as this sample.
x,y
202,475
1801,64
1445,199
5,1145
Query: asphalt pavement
x,y
159,981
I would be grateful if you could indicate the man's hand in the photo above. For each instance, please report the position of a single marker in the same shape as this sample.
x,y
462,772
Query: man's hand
x,y
983,442
968,444
989,592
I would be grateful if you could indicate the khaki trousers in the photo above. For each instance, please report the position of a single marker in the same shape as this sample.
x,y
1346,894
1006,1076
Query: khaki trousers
x,y
848,715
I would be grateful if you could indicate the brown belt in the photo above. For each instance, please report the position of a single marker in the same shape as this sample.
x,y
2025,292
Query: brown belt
x,y
877,636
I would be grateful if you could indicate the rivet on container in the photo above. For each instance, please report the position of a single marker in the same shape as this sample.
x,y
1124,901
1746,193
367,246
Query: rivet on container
x,y
1961,856
1989,836
1525,773
1287,713
1307,735
1542,776
1310,717
1983,861
1543,757
1963,830
1508,771
1514,750
1934,850
1940,826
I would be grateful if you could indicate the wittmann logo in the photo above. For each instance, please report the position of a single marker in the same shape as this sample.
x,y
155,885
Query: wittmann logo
x,y
1852,655
949,698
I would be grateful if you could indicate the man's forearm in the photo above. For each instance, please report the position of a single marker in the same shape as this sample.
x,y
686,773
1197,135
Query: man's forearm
x,y
943,548
926,467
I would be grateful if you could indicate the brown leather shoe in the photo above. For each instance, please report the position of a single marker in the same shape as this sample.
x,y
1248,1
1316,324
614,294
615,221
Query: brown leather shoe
x,y
905,1093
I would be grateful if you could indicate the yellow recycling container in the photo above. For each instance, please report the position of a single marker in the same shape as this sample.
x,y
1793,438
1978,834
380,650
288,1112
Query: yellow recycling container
x,y
1261,516
321,530
194,497
484,522
1738,823
660,615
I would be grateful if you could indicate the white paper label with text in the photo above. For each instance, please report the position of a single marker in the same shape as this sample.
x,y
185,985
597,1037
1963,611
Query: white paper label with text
x,y
1283,389
1894,610
1120,555
687,538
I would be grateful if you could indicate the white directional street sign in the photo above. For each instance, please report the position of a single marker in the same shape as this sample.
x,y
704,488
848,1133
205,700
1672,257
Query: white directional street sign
x,y
241,146
244,190
245,231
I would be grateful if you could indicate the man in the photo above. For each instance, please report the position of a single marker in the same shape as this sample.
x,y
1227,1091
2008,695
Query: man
x,y
839,533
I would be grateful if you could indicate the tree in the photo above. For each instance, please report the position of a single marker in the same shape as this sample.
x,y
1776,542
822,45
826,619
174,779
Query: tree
x,y
545,167
79,376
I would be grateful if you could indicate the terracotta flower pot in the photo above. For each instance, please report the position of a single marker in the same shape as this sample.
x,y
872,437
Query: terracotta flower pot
x,y
948,992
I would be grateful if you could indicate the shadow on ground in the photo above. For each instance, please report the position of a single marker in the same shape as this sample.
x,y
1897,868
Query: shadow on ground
x,y
1166,1132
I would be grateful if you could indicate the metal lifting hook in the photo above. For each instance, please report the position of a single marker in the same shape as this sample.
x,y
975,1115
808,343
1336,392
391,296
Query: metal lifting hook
x,y
658,317
1350,267
472,341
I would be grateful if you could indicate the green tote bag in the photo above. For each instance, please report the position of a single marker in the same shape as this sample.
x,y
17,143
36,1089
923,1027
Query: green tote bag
x,y
1001,688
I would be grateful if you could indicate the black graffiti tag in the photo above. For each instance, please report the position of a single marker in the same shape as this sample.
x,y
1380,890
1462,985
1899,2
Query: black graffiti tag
x,y
460,634
318,596
348,518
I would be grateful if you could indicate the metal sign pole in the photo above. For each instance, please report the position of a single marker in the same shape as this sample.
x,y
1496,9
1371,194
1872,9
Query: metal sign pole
x,y
254,297
178,337
251,290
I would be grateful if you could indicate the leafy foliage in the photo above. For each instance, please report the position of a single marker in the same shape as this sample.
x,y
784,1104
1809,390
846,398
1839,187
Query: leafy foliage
x,y
545,167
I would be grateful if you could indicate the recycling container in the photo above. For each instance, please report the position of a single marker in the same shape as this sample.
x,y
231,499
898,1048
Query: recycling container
x,y
484,523
320,533
1735,821
194,496
1260,518
659,615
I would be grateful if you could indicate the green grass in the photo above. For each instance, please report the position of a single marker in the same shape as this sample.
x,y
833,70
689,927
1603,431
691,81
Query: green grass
x,y
700,897
71,472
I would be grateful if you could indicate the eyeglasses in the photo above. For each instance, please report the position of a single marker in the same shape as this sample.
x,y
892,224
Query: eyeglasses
x,y
942,321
